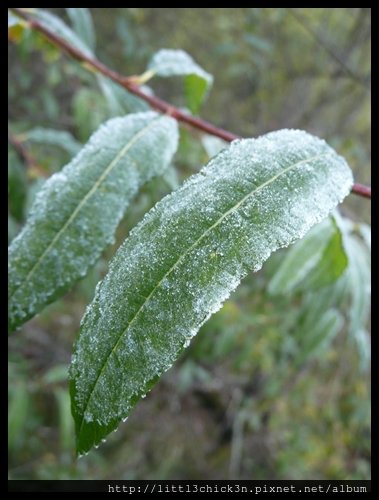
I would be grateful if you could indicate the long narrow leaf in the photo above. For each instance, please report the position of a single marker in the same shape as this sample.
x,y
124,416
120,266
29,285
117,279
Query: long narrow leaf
x,y
76,212
184,259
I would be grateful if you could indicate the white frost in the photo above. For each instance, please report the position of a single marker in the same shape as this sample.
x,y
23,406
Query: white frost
x,y
186,256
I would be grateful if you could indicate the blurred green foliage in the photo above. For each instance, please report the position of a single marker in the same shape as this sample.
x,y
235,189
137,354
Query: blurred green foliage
x,y
275,385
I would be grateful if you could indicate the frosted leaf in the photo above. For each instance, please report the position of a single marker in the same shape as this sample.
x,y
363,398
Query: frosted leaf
x,y
76,212
167,62
186,256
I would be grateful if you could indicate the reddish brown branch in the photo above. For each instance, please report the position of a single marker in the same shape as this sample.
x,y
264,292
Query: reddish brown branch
x,y
155,102
362,190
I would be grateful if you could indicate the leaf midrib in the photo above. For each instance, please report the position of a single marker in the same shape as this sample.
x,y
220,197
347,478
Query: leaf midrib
x,y
215,224
83,201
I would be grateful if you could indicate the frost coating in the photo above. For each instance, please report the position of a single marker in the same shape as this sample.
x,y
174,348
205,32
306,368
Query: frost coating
x,y
168,63
182,261
76,212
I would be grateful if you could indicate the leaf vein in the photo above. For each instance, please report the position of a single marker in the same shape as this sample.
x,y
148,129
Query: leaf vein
x,y
84,200
208,230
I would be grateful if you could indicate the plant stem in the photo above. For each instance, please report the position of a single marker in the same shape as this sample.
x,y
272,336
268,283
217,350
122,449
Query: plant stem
x,y
362,190
155,102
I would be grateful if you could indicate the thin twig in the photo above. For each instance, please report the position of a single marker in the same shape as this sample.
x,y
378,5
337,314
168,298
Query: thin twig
x,y
362,190
154,102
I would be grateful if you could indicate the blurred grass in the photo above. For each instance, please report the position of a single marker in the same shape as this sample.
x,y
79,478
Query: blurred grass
x,y
234,406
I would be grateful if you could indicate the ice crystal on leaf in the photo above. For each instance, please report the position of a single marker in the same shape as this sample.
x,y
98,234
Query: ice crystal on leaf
x,y
182,261
76,212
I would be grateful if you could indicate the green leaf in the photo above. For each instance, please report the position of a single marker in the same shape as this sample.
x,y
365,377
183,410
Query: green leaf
x,y
183,260
352,289
81,21
316,260
332,264
66,427
89,111
300,259
317,335
49,136
168,62
77,210
195,89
